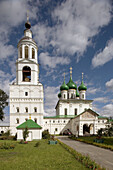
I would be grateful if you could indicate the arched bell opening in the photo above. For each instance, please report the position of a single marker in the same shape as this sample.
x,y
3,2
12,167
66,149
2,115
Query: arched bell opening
x,y
27,74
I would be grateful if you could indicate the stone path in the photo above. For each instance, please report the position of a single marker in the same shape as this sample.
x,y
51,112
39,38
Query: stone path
x,y
101,156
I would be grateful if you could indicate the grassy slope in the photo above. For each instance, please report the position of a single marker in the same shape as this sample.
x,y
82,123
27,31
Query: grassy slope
x,y
44,157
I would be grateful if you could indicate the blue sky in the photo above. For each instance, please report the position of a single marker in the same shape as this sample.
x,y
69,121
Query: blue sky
x,y
69,33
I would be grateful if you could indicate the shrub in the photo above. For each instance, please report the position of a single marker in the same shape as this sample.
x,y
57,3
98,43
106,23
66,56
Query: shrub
x,y
25,133
7,146
37,144
45,134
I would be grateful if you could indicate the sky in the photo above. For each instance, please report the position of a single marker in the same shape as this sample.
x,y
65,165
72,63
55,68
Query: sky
x,y
69,33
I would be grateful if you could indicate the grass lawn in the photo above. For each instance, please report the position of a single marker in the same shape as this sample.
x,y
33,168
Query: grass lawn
x,y
107,140
43,157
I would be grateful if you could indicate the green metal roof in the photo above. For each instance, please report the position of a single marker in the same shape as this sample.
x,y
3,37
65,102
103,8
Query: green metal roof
x,y
71,84
30,124
59,95
82,86
64,86
60,116
102,117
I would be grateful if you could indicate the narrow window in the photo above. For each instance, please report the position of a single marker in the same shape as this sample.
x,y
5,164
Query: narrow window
x,y
53,121
35,109
68,95
20,51
56,129
75,111
33,53
26,51
26,109
26,93
82,96
17,121
17,109
64,96
35,120
65,111
71,96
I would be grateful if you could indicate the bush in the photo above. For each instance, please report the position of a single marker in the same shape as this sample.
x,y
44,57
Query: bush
x,y
7,146
37,144
45,134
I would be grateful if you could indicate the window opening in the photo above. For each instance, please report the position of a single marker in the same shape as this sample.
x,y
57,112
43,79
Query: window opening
x,y
17,109
35,120
26,109
33,53
65,111
17,121
35,109
27,74
26,51
76,111
20,51
26,93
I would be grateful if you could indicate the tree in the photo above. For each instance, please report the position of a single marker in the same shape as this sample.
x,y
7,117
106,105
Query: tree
x,y
3,103
25,133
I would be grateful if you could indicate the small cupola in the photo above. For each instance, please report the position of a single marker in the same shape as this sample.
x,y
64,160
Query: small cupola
x,y
27,31
82,86
77,94
64,86
71,84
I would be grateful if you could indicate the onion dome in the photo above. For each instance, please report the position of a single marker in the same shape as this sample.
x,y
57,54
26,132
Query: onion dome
x,y
77,94
64,86
82,86
59,95
71,84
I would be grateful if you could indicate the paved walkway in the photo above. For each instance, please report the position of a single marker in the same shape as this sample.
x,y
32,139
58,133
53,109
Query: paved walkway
x,y
101,156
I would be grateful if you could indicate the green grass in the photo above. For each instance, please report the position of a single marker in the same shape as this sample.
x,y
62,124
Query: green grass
x,y
43,157
107,140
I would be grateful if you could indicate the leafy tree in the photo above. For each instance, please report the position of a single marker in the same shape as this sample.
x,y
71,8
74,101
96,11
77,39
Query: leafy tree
x,y
25,133
3,103
45,134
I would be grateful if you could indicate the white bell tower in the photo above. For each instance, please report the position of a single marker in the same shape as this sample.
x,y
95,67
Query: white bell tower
x,y
26,94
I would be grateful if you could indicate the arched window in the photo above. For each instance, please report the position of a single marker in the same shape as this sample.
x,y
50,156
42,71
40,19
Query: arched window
x,y
65,111
17,121
26,109
35,120
20,51
33,53
26,74
35,109
75,111
26,51
82,96
17,109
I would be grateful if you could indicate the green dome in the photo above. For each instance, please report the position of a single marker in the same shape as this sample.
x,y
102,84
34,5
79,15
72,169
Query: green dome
x,y
59,95
82,87
71,84
77,94
64,86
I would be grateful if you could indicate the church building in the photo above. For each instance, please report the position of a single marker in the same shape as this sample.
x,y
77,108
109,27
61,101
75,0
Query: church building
x,y
73,111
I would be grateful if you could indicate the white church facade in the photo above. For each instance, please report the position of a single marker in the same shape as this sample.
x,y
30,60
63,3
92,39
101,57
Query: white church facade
x,y
73,111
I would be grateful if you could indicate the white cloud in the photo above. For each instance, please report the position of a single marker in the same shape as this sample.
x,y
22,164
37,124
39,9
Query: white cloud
x,y
101,99
50,99
52,62
93,90
76,23
103,56
109,84
107,110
